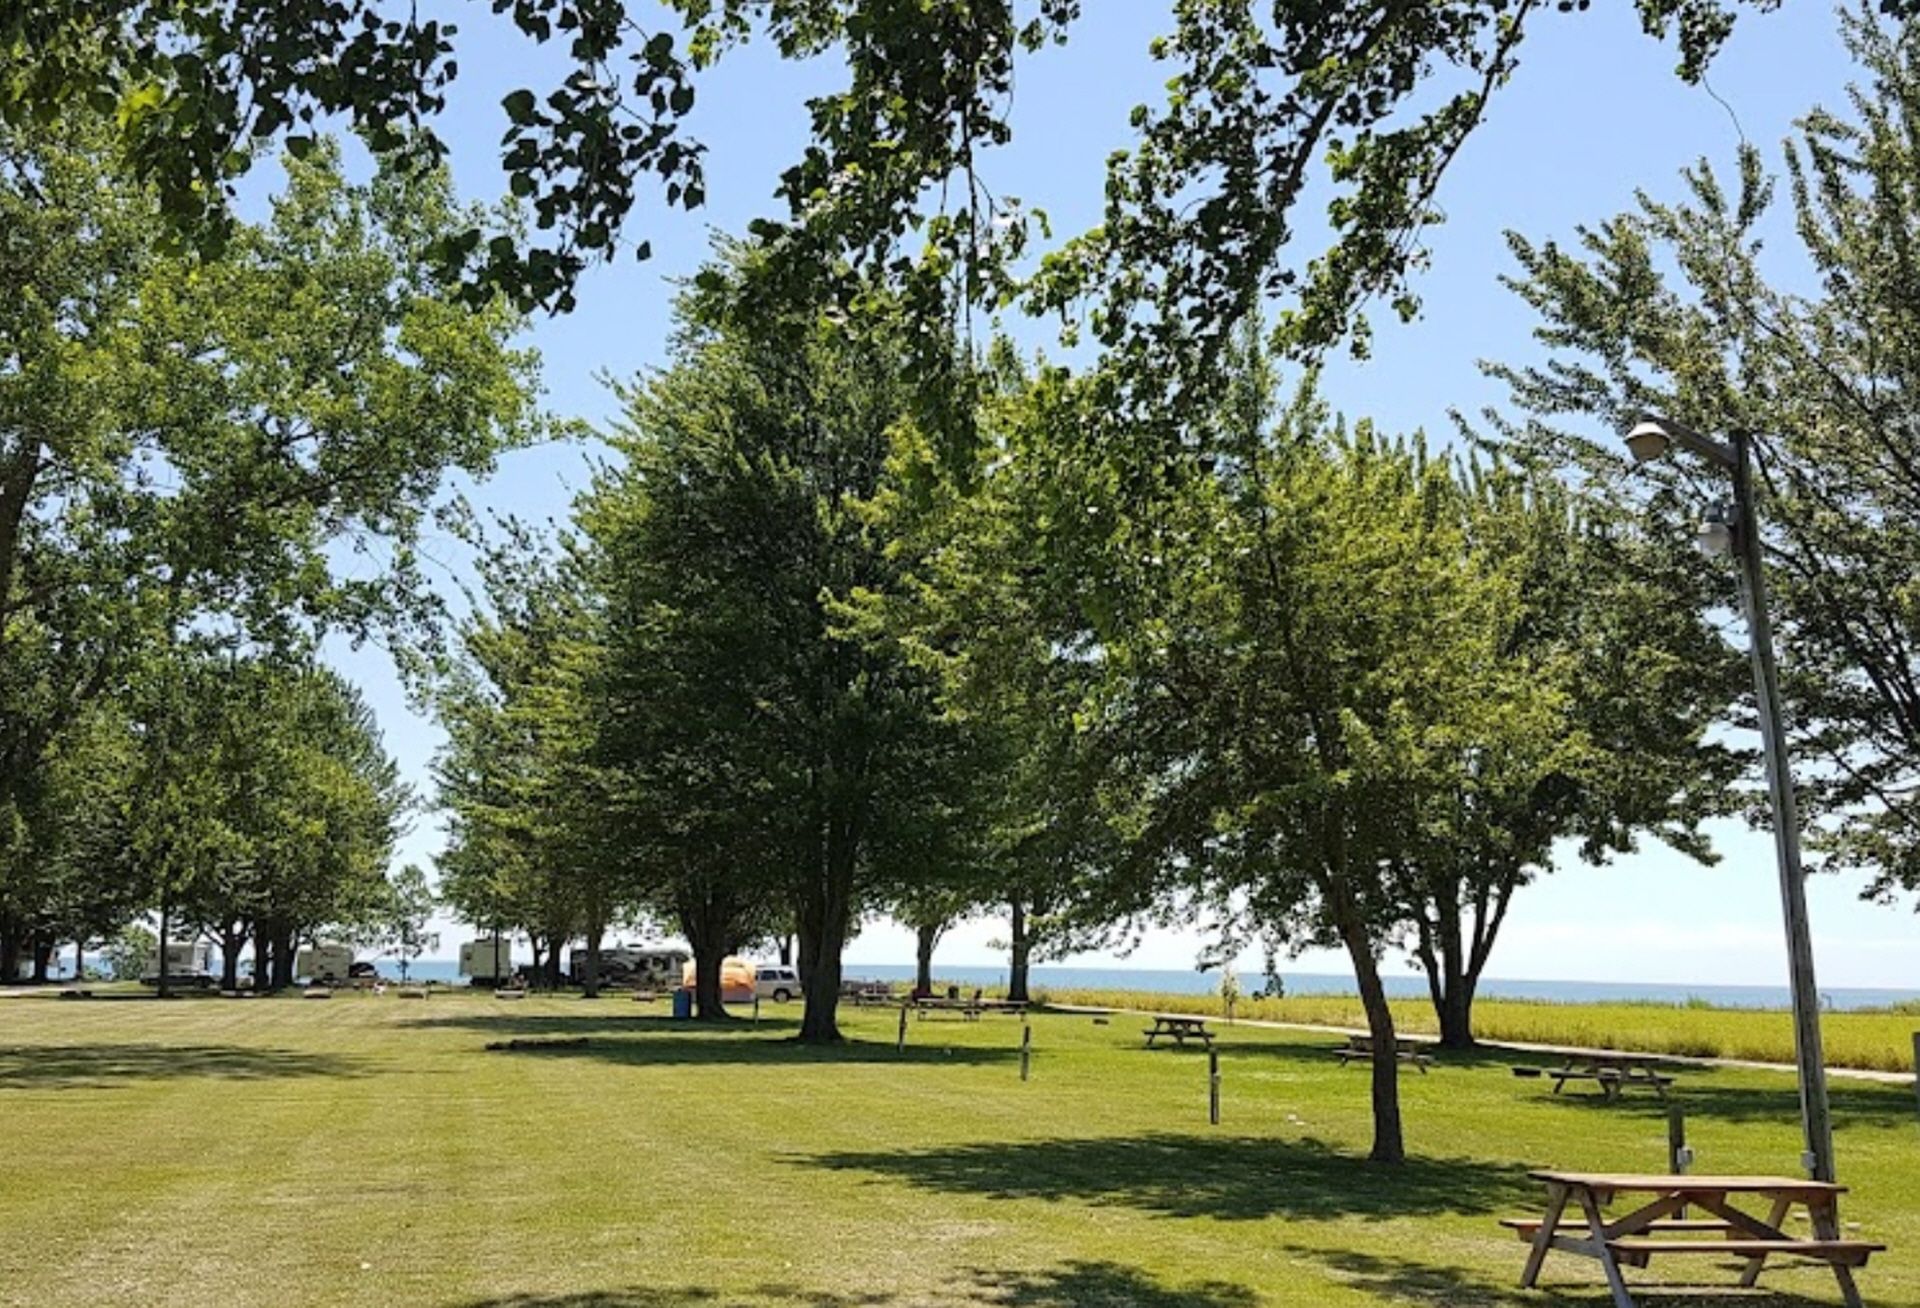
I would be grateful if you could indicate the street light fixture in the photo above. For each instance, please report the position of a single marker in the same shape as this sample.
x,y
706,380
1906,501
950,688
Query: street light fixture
x,y
1733,528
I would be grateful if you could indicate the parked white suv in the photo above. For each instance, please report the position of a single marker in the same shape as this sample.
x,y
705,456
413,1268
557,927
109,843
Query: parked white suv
x,y
776,982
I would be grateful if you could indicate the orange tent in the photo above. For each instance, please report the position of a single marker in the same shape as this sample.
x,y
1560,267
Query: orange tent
x,y
736,980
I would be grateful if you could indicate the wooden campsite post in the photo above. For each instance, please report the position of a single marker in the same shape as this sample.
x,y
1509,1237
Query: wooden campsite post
x,y
1026,1049
1916,1068
1679,1157
756,1008
1213,1085
900,1047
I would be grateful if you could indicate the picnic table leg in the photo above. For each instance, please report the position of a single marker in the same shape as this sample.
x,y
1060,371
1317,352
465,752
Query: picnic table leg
x,y
1826,1226
1756,1264
1543,1238
1597,1232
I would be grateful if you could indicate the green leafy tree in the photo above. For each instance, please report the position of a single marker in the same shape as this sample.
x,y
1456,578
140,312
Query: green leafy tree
x,y
409,907
531,847
784,739
187,445
1619,744
1308,682
65,876
1680,308
131,952
1259,96
262,800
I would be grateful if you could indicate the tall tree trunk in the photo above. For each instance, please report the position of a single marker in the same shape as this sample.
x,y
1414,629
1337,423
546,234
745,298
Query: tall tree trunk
x,y
262,957
706,920
166,924
802,958
232,936
926,937
590,982
786,949
80,959
1022,951
538,975
554,979
9,951
1442,955
824,922
42,959
1454,956
820,1024
285,947
1388,1144
709,1003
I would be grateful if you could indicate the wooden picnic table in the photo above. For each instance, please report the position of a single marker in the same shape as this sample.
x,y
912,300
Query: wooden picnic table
x,y
969,1009
1635,1237
1361,1047
1180,1030
1612,1072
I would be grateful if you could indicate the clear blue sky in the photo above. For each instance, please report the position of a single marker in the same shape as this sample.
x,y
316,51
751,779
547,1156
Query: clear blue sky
x,y
1593,114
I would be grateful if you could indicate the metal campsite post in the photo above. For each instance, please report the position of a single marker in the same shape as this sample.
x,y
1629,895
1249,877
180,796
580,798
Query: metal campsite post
x,y
900,1047
1736,529
756,1010
1213,1085
1026,1050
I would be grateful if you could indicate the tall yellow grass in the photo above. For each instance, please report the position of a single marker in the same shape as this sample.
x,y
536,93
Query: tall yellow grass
x,y
1879,1041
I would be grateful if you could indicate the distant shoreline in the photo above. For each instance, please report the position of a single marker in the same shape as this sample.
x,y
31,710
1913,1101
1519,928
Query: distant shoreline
x,y
1171,981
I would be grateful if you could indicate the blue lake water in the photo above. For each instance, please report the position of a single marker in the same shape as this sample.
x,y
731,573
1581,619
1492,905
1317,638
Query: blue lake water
x,y
1182,982
1174,982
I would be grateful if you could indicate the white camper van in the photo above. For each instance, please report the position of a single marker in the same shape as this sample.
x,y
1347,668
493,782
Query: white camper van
x,y
487,962
189,963
326,964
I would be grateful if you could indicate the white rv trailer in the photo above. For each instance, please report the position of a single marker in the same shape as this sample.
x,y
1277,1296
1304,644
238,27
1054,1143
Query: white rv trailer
x,y
188,963
487,962
630,965
323,963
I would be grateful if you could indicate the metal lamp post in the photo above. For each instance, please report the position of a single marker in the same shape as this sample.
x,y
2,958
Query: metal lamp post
x,y
1651,438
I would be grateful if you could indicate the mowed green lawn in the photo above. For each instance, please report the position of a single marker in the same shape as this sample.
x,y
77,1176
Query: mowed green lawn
x,y
368,1150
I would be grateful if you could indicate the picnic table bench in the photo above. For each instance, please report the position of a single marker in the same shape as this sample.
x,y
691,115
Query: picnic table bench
x,y
1634,1238
1361,1047
1612,1073
1179,1030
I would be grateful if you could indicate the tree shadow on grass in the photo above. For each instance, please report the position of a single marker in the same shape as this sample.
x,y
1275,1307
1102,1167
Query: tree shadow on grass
x,y
684,1047
590,1022
1888,1107
688,1296
1070,1285
60,1067
1228,1177
1104,1285
1402,1280
1695,1090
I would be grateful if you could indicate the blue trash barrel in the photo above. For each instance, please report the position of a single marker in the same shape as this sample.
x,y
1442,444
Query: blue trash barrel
x,y
683,1004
